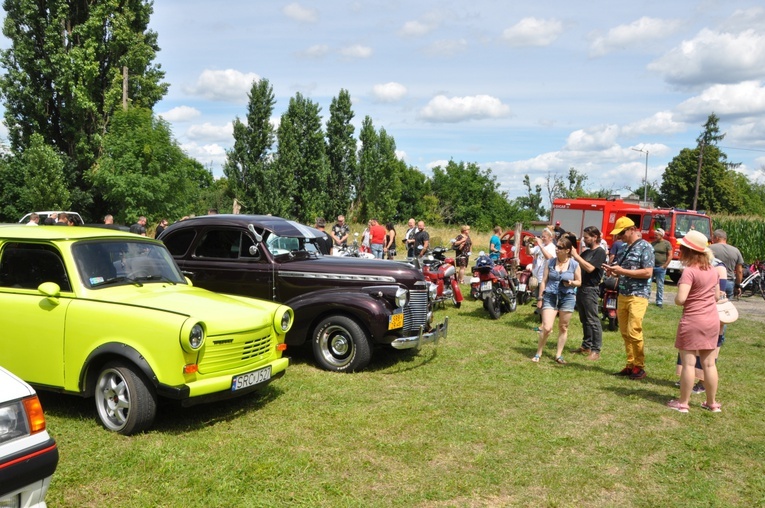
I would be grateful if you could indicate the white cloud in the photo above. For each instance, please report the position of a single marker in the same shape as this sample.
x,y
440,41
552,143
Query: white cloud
x,y
227,85
213,153
714,57
743,19
400,155
181,114
459,109
389,92
594,138
315,51
533,32
662,122
297,12
730,101
634,34
356,51
210,132
415,29
447,47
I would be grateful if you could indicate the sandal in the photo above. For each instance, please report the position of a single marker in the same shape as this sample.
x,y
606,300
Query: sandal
x,y
560,360
677,406
535,359
714,408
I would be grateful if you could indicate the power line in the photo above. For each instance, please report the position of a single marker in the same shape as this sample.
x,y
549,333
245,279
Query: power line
x,y
746,149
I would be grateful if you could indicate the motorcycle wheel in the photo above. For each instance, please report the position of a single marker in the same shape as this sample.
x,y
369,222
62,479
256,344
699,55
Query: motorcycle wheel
x,y
491,304
613,324
457,304
523,298
513,304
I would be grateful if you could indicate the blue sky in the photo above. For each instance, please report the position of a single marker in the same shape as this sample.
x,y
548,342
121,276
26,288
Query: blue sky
x,y
519,87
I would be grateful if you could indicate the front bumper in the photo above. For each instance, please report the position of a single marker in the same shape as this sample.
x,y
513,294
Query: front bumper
x,y
28,472
415,341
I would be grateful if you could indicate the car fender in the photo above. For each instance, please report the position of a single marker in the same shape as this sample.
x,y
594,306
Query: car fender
x,y
110,351
369,306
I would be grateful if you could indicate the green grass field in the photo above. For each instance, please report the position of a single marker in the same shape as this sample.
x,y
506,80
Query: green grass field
x,y
469,422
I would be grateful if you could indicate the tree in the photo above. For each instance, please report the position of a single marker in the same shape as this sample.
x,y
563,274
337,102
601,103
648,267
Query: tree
x,y
470,195
248,165
302,160
341,154
143,171
415,186
64,73
708,165
533,200
45,183
380,185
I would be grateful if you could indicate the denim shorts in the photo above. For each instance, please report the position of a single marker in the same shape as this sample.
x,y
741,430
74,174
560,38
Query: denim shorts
x,y
562,302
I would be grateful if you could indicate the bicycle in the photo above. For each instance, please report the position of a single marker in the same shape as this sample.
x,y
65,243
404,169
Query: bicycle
x,y
755,282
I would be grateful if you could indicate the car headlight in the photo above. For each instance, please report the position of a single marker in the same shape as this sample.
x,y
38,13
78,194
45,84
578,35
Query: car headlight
x,y
21,418
432,291
192,339
283,319
402,295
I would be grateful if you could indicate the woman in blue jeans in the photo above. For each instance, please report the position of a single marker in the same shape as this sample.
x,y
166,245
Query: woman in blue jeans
x,y
557,288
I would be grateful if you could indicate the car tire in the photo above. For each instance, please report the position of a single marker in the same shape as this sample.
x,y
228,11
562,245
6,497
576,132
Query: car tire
x,y
340,345
125,402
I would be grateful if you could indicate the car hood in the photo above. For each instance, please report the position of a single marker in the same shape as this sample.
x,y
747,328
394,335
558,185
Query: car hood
x,y
220,313
12,388
367,271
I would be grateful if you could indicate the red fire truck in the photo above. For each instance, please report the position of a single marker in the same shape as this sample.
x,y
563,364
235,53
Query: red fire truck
x,y
576,214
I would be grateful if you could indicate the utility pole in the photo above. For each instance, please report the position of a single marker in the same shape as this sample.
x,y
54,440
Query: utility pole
x,y
698,175
124,87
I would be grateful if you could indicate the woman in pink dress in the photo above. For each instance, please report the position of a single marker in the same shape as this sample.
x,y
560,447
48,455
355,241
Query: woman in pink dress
x,y
697,292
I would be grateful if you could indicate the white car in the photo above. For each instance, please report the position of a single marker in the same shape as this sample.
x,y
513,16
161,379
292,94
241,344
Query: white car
x,y
28,455
44,215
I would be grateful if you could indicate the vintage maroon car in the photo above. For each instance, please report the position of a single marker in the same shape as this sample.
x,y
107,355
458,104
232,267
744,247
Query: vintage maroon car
x,y
344,306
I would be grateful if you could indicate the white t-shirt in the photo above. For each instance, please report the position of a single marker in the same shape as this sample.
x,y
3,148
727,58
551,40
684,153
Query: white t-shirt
x,y
538,268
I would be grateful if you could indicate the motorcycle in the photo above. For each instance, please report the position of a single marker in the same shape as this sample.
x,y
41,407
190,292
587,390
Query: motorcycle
x,y
524,294
495,284
441,271
352,250
609,293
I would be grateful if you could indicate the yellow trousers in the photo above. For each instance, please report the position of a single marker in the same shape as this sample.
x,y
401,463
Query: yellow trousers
x,y
630,311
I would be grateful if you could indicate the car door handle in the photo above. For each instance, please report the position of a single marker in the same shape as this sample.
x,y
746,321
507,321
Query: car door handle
x,y
188,274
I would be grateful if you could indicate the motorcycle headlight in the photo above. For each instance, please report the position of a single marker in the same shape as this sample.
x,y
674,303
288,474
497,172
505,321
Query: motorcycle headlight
x,y
402,295
432,291
193,338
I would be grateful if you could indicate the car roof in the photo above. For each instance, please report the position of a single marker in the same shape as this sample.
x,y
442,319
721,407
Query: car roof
x,y
277,225
24,232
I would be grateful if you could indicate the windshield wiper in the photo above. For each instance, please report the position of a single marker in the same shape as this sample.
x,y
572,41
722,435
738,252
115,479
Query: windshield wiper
x,y
119,278
155,277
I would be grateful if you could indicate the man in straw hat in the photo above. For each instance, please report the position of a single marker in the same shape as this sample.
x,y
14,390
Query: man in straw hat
x,y
633,265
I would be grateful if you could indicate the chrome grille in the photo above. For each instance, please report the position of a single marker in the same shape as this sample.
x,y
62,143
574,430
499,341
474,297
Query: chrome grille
x,y
227,352
416,311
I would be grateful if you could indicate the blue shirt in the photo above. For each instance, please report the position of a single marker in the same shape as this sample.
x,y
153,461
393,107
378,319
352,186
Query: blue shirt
x,y
494,242
553,284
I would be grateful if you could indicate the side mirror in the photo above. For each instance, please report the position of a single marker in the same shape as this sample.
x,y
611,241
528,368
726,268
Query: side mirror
x,y
258,237
51,290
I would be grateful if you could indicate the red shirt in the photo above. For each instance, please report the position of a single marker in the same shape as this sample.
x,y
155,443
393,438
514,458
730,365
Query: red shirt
x,y
377,234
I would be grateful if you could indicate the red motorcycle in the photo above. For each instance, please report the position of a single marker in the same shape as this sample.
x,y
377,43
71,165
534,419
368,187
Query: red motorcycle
x,y
441,271
609,292
495,285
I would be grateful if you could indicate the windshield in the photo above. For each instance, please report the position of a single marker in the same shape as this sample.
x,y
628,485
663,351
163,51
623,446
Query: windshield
x,y
687,222
104,263
279,245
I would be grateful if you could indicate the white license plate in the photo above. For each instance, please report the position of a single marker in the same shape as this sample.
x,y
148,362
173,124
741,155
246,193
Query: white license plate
x,y
486,285
521,287
611,303
251,379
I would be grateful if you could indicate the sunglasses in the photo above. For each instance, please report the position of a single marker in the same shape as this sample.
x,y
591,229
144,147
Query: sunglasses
x,y
561,247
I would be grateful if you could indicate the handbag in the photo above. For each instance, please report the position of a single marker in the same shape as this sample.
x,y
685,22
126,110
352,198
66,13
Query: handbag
x,y
726,311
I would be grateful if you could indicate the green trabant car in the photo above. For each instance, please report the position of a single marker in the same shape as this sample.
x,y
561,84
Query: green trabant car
x,y
107,314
